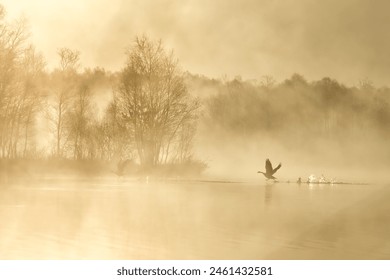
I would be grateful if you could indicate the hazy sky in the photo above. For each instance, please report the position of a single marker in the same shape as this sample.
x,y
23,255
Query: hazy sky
x,y
344,39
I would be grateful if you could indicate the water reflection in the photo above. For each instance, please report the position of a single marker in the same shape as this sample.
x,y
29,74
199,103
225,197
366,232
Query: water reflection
x,y
267,194
111,219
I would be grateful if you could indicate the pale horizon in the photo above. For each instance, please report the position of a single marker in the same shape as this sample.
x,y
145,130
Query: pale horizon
x,y
344,41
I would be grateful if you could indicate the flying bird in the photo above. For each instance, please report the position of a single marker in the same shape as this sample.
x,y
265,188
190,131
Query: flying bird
x,y
269,171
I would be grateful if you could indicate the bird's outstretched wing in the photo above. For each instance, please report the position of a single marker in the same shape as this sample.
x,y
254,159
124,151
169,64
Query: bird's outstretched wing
x,y
276,169
268,167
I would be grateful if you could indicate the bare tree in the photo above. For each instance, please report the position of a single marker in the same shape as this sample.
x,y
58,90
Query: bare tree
x,y
65,85
153,100
184,142
12,94
33,67
267,81
69,59
80,119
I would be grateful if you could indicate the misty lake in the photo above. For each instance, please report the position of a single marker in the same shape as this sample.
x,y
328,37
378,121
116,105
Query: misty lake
x,y
106,218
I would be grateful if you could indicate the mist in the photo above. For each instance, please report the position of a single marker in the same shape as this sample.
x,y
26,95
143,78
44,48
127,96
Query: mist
x,y
247,61
344,40
136,129
313,127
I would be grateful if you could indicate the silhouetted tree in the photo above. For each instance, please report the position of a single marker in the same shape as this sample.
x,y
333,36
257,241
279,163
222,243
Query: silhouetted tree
x,y
80,120
17,100
64,85
153,100
32,73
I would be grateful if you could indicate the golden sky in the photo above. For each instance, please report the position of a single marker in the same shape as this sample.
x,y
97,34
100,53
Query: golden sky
x,y
344,39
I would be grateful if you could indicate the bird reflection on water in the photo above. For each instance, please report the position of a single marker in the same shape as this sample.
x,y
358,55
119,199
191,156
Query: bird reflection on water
x,y
267,194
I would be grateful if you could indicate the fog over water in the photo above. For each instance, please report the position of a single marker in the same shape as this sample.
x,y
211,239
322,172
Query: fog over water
x,y
103,219
115,145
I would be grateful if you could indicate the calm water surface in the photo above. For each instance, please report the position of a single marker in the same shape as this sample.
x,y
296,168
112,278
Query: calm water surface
x,y
125,219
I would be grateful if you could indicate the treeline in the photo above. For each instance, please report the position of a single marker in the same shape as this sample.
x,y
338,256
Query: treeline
x,y
143,113
20,96
149,111
39,107
298,111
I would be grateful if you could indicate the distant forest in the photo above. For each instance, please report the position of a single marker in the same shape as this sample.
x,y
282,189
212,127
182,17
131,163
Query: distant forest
x,y
299,109
150,110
